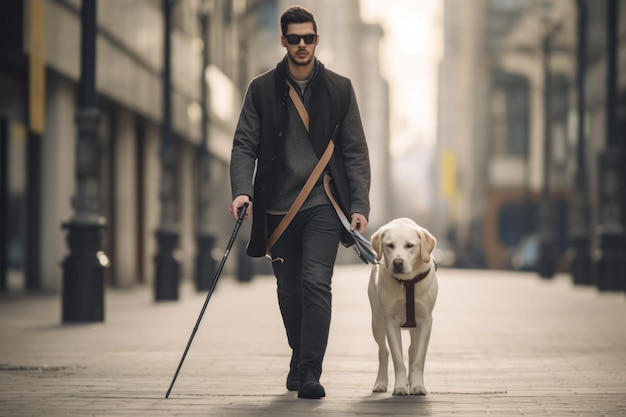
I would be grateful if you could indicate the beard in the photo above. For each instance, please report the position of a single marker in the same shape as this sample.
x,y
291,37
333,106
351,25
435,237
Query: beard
x,y
295,59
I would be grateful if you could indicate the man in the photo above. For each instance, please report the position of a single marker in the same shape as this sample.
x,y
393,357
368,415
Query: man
x,y
273,144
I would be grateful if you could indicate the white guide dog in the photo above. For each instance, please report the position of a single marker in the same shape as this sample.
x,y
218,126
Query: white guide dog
x,y
403,250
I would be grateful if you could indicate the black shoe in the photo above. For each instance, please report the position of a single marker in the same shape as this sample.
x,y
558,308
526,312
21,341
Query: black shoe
x,y
310,388
293,380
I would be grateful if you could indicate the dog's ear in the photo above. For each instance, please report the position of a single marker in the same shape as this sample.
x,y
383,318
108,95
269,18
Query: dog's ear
x,y
377,243
428,243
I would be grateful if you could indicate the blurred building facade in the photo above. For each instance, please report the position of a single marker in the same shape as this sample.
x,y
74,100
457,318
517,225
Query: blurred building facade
x,y
461,144
129,67
240,39
510,166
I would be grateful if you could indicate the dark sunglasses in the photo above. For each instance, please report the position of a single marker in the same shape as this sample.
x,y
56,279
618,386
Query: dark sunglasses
x,y
295,39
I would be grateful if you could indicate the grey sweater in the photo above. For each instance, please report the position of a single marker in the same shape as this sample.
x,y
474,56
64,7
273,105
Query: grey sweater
x,y
297,165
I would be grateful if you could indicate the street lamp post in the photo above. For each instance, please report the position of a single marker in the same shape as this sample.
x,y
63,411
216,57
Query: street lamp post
x,y
206,264
610,264
581,266
83,268
547,251
166,264
245,265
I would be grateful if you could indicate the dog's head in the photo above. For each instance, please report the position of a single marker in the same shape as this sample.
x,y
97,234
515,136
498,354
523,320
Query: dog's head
x,y
403,247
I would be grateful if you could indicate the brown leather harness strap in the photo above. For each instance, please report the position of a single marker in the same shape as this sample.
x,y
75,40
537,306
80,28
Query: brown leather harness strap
x,y
409,292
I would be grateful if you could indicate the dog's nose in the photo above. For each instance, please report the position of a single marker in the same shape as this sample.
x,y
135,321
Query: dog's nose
x,y
398,265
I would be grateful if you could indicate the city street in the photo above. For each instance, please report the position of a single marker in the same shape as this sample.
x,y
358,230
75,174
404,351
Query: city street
x,y
503,344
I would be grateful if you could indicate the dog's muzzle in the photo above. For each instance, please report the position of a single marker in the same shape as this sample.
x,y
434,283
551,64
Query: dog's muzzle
x,y
398,266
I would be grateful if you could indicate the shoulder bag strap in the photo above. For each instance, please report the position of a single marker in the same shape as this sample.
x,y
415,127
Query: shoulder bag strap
x,y
295,97
310,182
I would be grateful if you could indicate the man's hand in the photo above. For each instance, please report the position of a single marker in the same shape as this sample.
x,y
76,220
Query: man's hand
x,y
358,222
237,205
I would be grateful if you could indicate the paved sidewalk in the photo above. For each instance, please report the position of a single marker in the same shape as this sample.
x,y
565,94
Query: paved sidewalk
x,y
503,344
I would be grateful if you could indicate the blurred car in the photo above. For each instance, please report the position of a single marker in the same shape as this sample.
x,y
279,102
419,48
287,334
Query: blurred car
x,y
525,256
444,254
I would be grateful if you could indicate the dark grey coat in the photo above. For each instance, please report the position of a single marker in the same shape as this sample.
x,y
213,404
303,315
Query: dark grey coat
x,y
259,143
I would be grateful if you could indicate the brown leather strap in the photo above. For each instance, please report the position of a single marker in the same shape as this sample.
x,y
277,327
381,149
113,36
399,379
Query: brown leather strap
x,y
340,214
295,97
304,193
310,182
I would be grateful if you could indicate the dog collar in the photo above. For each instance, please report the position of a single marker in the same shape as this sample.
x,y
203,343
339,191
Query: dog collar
x,y
415,280
409,292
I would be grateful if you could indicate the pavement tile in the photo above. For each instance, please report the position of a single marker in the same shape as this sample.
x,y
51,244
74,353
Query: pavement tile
x,y
503,344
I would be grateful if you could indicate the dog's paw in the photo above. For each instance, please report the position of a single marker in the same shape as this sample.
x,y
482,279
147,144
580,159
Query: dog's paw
x,y
401,390
380,386
418,390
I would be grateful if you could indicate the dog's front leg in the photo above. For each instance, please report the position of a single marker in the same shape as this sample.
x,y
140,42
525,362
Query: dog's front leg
x,y
378,329
394,337
420,337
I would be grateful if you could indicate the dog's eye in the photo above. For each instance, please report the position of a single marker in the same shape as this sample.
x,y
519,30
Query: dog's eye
x,y
409,245
390,245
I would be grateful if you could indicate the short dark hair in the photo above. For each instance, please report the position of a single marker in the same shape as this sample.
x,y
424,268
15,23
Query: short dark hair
x,y
296,14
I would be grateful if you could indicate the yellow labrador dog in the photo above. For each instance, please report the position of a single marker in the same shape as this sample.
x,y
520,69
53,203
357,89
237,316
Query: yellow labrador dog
x,y
405,266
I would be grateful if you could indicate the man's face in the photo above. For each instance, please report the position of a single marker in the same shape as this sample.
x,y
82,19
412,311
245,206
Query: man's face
x,y
301,53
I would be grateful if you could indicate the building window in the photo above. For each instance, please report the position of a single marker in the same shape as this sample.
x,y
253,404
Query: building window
x,y
517,119
510,102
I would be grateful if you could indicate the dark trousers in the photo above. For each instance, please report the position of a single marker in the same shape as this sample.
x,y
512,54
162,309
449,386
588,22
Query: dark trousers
x,y
308,248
